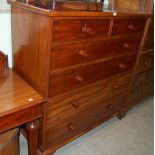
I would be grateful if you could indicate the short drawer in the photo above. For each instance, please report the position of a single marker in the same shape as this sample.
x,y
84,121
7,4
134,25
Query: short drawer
x,y
69,105
142,78
73,54
146,61
68,129
140,93
74,29
67,80
128,26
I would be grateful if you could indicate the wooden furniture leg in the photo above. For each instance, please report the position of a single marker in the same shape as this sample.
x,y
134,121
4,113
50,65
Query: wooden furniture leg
x,y
32,134
121,114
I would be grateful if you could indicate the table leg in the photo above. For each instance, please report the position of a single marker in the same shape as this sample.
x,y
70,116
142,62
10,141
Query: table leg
x,y
32,134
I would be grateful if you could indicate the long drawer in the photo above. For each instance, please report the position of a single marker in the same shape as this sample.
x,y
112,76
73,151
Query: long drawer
x,y
109,107
67,80
140,93
73,54
128,26
145,61
142,78
68,105
73,29
84,120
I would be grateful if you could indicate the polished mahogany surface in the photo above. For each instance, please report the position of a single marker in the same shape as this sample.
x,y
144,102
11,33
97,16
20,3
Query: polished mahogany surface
x,y
20,105
83,62
16,94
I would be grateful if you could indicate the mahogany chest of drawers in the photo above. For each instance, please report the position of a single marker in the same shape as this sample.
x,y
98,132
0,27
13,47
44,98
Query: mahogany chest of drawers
x,y
82,62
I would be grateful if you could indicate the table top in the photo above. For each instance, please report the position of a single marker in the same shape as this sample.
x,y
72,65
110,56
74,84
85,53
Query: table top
x,y
16,94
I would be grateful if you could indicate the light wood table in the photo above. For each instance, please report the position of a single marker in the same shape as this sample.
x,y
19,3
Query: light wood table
x,y
20,105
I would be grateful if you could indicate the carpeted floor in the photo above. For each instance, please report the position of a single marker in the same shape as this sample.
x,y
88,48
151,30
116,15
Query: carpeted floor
x,y
133,135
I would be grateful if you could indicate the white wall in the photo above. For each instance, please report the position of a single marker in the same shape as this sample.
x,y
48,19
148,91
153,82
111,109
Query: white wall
x,y
5,30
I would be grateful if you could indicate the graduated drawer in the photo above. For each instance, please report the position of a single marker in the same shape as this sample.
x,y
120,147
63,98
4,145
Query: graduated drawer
x,y
68,105
85,120
128,26
110,106
73,54
68,129
74,29
146,61
142,78
67,80
140,93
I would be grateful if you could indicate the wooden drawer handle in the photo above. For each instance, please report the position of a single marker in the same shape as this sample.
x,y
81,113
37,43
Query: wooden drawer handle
x,y
131,26
86,29
75,104
122,66
148,62
83,53
126,45
79,78
110,107
71,127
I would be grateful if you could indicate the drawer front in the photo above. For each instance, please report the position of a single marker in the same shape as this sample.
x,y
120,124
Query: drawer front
x,y
85,120
71,29
66,130
67,80
72,54
143,77
110,106
69,105
128,26
140,93
145,61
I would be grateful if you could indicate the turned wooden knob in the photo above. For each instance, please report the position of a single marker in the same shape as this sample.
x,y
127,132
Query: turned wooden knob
x,y
122,66
75,104
126,45
83,53
131,26
71,127
79,78
110,107
86,29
